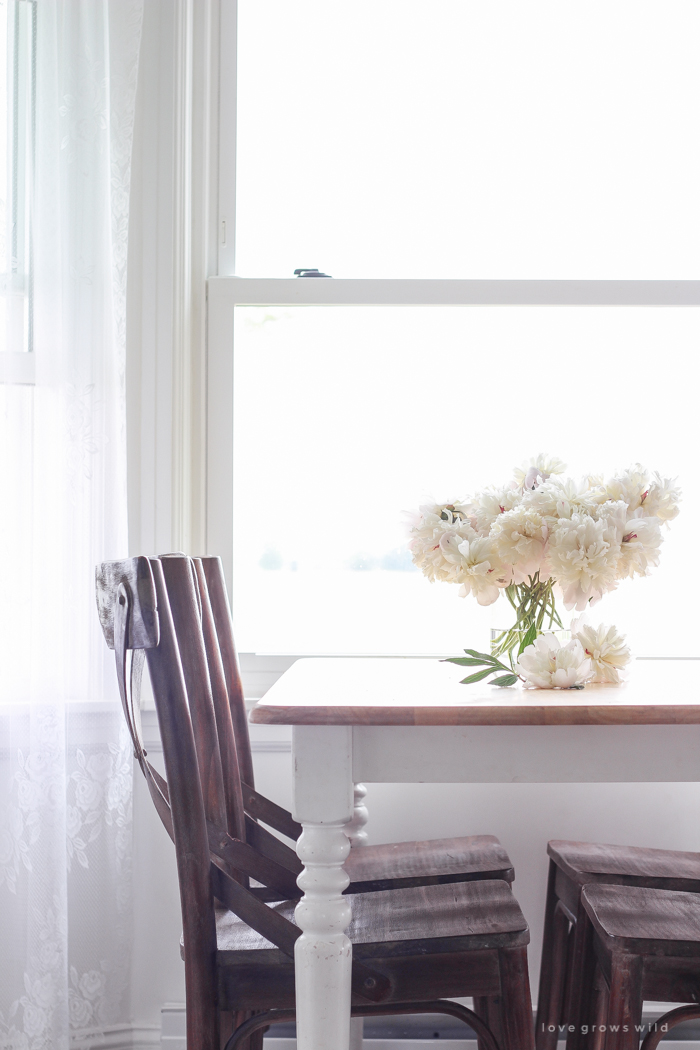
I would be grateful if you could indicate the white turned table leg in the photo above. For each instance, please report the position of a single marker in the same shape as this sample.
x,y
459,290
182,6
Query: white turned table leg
x,y
355,830
323,954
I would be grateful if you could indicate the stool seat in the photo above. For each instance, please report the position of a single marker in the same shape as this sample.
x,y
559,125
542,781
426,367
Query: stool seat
x,y
644,921
586,862
643,944
403,864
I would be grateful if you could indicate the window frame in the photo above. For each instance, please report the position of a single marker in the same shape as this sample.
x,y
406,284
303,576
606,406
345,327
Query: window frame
x,y
226,291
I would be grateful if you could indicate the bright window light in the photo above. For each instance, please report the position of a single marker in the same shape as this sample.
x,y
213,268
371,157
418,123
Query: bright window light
x,y
397,138
347,417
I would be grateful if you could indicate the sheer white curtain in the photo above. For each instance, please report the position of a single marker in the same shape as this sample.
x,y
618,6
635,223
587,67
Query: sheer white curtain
x,y
65,768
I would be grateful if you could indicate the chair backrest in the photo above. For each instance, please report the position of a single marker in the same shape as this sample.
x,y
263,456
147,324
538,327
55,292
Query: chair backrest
x,y
139,611
216,584
135,614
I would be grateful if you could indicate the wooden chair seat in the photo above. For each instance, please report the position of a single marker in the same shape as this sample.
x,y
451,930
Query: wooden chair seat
x,y
400,934
586,862
403,864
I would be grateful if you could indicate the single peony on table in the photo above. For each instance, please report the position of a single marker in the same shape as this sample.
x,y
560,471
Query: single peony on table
x,y
539,538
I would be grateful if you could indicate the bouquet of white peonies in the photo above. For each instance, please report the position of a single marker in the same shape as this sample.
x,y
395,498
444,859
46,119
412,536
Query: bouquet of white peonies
x,y
540,537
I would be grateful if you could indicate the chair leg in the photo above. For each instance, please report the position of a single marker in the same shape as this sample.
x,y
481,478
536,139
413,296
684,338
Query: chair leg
x,y
516,1001
551,990
624,1020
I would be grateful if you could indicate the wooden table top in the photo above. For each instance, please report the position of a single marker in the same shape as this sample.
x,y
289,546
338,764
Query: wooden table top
x,y
398,691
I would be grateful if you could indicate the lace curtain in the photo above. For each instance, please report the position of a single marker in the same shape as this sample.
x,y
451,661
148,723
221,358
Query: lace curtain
x,y
65,768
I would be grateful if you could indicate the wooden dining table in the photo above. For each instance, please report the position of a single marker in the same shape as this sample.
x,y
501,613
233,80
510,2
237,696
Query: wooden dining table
x,y
408,720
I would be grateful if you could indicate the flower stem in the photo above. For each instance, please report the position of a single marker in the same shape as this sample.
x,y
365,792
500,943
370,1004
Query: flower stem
x,y
534,603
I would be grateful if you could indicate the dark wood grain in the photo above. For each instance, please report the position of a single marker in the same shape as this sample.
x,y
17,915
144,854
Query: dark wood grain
x,y
216,584
572,866
228,751
189,828
637,865
431,861
646,943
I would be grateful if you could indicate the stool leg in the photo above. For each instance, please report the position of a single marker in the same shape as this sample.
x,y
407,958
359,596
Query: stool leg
x,y
580,992
516,1001
552,970
600,1013
489,1009
624,1020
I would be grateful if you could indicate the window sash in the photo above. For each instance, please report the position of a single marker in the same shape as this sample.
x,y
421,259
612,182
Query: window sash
x,y
226,293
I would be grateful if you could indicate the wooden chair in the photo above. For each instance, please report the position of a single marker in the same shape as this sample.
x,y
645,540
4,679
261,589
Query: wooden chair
x,y
411,945
572,866
462,859
642,944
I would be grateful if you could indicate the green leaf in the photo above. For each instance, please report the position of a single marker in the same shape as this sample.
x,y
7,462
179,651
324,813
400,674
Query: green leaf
x,y
529,638
577,687
486,658
477,677
504,680
465,661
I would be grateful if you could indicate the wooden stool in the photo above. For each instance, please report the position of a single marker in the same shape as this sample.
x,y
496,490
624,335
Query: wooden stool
x,y
572,866
642,944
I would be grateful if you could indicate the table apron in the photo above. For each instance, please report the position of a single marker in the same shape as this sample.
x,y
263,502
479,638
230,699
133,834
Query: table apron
x,y
526,754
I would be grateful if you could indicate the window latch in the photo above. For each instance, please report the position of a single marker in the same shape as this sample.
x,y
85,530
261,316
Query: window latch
x,y
306,272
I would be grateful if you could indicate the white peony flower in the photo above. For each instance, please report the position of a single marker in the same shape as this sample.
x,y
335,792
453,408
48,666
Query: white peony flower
x,y
488,505
605,648
481,572
630,487
534,471
548,665
435,537
520,537
661,499
639,550
582,556
562,497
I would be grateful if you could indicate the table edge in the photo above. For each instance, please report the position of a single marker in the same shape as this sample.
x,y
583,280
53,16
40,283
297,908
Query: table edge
x,y
520,715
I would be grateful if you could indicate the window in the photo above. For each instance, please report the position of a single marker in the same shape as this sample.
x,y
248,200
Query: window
x,y
504,196
17,34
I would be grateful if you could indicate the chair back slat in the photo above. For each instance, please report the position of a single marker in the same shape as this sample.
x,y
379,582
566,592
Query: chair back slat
x,y
189,826
216,584
222,711
183,597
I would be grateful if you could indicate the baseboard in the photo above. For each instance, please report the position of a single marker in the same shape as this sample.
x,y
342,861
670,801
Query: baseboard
x,y
117,1037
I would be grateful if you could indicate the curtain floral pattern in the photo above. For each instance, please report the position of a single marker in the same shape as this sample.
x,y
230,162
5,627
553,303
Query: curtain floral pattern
x,y
65,764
